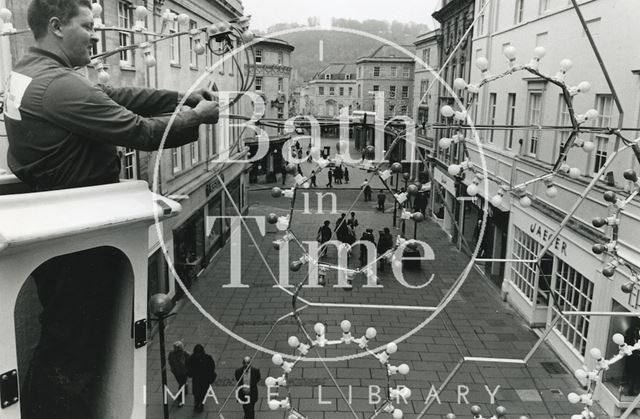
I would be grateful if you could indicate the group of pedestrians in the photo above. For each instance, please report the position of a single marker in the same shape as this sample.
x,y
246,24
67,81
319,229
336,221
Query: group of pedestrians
x,y
201,367
337,174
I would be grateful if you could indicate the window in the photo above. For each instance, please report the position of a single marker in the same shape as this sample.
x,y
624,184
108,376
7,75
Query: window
x,y
347,76
280,58
125,16
491,114
574,293
193,57
511,117
519,13
129,164
359,91
525,274
327,76
351,91
406,72
564,120
258,56
341,91
376,88
176,159
594,27
604,106
392,92
423,88
392,107
403,109
332,91
394,71
194,149
480,25
426,56
280,84
175,43
405,92
321,90
211,140
376,71
545,5
258,83
535,118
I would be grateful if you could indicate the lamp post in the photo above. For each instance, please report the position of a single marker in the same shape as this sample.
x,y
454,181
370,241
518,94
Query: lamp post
x,y
160,305
396,168
417,217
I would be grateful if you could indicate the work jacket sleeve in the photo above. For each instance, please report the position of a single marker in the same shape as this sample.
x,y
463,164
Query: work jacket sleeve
x,y
141,100
73,103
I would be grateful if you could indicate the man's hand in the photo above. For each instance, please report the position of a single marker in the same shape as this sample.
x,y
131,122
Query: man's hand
x,y
198,96
208,111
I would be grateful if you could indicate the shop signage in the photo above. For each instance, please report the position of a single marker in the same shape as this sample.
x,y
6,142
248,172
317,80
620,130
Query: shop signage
x,y
213,184
545,234
445,181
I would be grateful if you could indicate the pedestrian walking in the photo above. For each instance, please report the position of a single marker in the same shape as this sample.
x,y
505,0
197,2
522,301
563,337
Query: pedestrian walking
x,y
324,235
385,243
62,132
343,232
284,172
178,359
381,200
313,179
367,191
352,223
330,177
337,175
248,378
202,370
364,253
346,175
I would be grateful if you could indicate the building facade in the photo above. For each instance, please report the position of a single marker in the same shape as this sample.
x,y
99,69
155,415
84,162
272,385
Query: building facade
x,y
330,90
273,82
186,173
386,70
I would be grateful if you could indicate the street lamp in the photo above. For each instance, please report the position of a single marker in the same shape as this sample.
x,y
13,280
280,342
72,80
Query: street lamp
x,y
160,305
396,168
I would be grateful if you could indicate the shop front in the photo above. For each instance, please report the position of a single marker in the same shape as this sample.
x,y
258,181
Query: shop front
x,y
443,201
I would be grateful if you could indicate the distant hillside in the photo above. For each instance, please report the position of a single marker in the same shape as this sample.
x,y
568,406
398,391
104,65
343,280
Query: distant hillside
x,y
340,46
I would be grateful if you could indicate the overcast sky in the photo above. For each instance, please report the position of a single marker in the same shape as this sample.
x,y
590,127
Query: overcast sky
x,y
269,12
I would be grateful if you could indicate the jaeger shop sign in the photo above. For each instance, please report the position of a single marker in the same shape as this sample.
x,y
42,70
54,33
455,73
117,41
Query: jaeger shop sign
x,y
445,181
544,234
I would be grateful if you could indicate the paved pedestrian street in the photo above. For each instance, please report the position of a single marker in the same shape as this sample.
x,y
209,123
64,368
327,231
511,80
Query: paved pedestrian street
x,y
476,323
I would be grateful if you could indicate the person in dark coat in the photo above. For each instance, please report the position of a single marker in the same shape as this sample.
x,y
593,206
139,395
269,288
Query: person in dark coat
x,y
632,362
330,177
346,175
381,199
248,378
342,230
313,179
324,235
178,359
202,370
367,192
337,174
385,243
364,254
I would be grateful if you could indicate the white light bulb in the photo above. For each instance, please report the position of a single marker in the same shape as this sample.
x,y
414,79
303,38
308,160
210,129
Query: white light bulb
x,y
447,111
591,114
580,374
392,348
103,77
539,52
473,88
573,398
588,146
525,202
370,333
224,26
5,15
150,60
293,342
199,47
510,52
459,84
460,116
271,382
183,19
345,325
496,201
212,29
472,190
319,328
595,353
403,369
482,63
140,13
247,36
574,173
96,9
618,339
454,169
565,65
274,404
397,414
405,392
584,86
445,142
277,359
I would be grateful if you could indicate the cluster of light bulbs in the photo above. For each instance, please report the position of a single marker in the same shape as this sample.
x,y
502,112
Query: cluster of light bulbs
x,y
302,349
588,377
476,411
6,27
616,206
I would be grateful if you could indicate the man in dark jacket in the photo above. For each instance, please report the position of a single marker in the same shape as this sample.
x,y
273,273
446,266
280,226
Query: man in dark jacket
x,y
385,243
381,200
364,254
247,379
63,132
202,370
324,235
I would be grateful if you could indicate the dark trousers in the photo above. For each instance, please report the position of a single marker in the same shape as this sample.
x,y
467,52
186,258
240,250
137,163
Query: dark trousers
x,y
249,410
182,381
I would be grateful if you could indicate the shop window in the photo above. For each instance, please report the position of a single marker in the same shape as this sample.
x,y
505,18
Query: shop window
x,y
213,225
622,379
574,292
524,274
